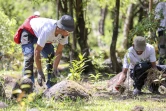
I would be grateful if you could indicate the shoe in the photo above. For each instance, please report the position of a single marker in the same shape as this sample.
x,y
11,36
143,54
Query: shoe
x,y
136,92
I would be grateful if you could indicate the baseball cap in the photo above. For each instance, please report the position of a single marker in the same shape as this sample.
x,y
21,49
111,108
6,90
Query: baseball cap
x,y
66,22
139,43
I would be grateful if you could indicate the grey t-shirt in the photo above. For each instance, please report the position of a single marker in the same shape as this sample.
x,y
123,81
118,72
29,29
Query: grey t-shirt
x,y
132,58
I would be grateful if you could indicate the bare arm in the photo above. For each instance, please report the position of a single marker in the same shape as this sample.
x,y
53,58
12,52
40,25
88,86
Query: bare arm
x,y
58,55
38,57
154,65
122,76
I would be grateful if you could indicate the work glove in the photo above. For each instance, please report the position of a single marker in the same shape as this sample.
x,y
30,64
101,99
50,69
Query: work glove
x,y
56,73
40,78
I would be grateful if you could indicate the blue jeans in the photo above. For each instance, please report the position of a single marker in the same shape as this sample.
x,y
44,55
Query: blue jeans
x,y
27,44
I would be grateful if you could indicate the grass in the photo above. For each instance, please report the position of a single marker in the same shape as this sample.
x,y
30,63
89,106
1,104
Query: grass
x,y
94,104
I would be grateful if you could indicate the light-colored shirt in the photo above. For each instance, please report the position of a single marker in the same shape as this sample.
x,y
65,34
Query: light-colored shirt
x,y
44,29
160,13
131,58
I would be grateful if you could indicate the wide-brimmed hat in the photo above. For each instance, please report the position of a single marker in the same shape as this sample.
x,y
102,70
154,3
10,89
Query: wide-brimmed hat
x,y
66,23
139,43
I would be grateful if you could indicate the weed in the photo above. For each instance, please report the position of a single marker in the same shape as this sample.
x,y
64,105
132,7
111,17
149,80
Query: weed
x,y
77,67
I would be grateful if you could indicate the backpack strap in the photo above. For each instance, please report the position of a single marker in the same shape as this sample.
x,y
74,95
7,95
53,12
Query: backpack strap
x,y
26,25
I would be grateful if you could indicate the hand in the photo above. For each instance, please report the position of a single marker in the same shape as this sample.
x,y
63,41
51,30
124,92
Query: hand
x,y
40,78
120,88
54,76
56,73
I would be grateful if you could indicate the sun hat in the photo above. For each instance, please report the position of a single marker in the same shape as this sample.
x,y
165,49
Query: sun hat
x,y
66,22
139,43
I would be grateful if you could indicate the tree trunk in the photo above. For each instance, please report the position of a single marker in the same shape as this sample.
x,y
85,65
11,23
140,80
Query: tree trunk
x,y
116,66
82,33
103,13
57,9
63,7
128,25
73,51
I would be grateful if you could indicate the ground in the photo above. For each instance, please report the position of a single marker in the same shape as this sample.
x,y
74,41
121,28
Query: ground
x,y
101,95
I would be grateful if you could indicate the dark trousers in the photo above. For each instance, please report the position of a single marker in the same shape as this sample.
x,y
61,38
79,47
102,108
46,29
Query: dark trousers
x,y
139,80
162,47
27,44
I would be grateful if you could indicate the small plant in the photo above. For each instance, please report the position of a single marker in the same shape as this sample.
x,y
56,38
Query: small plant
x,y
110,75
77,67
95,77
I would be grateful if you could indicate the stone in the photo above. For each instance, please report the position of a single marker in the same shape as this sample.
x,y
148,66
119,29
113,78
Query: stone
x,y
67,89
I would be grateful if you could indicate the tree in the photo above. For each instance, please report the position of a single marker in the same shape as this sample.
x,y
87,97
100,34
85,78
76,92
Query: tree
x,y
128,25
82,32
116,66
103,13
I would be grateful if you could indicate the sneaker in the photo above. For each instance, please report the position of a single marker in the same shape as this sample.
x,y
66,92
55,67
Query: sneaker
x,y
136,92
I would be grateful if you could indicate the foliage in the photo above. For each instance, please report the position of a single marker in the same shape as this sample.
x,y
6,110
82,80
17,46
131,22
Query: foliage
x,y
98,61
144,27
77,67
7,45
95,77
6,38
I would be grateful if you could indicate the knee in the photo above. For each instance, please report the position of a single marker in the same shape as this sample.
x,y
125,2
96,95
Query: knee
x,y
29,58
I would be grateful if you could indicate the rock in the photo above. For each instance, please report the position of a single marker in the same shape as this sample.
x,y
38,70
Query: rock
x,y
67,89
138,108
9,83
3,105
